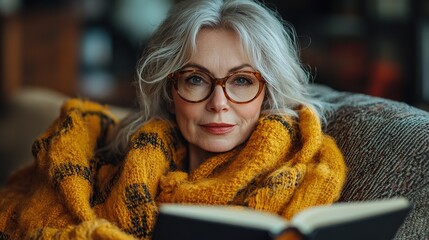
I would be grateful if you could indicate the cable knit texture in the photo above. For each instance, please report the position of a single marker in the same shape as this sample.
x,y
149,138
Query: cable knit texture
x,y
74,191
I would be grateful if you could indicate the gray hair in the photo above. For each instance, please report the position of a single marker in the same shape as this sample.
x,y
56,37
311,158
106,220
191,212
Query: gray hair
x,y
269,42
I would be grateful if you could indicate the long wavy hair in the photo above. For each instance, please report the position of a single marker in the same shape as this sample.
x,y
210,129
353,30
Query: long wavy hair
x,y
269,42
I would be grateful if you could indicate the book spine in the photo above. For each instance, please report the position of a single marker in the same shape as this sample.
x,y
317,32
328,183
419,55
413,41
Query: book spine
x,y
290,234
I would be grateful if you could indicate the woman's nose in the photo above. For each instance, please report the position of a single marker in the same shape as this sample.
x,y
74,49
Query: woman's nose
x,y
217,102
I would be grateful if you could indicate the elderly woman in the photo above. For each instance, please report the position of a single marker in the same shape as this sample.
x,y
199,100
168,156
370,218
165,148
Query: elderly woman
x,y
225,119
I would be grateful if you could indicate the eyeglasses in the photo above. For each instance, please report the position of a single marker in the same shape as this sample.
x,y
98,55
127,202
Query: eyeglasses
x,y
195,86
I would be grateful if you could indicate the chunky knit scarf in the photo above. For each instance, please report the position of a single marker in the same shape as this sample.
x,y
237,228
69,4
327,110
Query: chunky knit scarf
x,y
73,191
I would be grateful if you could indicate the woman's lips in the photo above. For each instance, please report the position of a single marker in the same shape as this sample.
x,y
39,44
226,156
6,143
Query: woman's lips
x,y
218,128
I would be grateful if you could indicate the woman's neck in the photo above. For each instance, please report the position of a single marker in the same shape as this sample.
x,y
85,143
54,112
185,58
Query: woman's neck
x,y
197,156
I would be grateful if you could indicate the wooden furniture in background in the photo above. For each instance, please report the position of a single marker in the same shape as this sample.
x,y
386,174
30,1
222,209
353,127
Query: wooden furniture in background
x,y
39,48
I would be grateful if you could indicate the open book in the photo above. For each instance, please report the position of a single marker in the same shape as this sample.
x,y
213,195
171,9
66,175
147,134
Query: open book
x,y
377,219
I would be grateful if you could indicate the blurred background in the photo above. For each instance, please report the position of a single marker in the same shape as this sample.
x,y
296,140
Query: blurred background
x,y
89,48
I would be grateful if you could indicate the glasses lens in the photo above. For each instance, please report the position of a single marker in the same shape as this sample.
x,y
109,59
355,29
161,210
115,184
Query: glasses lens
x,y
193,85
242,86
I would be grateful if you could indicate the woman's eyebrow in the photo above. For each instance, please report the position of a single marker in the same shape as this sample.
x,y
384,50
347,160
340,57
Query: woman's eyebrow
x,y
194,65
234,69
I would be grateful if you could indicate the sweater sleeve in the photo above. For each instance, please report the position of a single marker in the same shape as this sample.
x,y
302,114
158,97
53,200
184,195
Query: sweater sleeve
x,y
131,191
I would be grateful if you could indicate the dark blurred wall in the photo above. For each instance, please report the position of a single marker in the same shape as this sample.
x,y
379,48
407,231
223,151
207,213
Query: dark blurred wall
x,y
372,46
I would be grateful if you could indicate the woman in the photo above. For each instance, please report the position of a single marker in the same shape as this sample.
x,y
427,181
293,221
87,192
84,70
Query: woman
x,y
225,119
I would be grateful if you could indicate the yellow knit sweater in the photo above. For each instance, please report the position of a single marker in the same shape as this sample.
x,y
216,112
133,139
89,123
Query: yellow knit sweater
x,y
74,191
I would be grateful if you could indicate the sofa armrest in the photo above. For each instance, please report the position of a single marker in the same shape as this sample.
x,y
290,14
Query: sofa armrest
x,y
386,147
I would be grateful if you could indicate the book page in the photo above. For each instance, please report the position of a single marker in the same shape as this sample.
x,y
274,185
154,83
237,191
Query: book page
x,y
320,216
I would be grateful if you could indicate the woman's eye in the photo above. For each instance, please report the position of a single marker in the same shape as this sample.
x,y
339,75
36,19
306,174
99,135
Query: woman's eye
x,y
242,81
195,80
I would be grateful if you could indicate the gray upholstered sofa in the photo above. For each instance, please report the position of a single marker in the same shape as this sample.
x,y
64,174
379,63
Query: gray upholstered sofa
x,y
385,143
386,147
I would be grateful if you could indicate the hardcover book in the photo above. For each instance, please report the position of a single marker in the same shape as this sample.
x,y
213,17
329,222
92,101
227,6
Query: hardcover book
x,y
376,219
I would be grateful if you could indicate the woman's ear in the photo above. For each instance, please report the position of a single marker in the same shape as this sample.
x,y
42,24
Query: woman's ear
x,y
170,101
171,108
170,104
266,101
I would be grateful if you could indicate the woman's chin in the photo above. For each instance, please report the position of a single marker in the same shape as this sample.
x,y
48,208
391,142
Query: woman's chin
x,y
218,147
